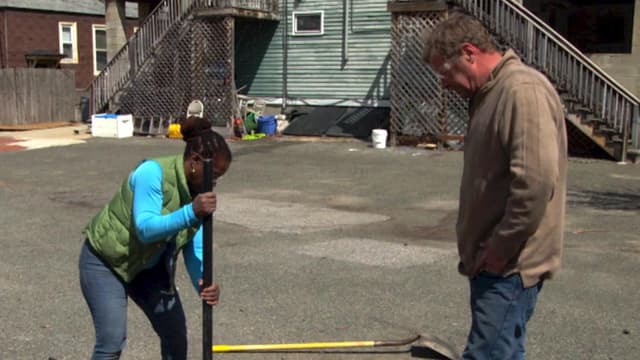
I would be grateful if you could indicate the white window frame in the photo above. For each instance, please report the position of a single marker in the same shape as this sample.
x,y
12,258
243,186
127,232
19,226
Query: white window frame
x,y
95,27
74,41
294,22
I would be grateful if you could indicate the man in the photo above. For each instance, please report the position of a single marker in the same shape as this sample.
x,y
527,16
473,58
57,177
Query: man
x,y
513,187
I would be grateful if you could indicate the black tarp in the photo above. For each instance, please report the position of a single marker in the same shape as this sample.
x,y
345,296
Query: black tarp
x,y
338,121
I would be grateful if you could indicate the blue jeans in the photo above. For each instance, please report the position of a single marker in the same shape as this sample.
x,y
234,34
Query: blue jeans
x,y
106,294
500,310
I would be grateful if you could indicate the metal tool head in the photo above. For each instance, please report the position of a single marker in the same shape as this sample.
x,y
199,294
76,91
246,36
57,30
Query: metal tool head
x,y
431,347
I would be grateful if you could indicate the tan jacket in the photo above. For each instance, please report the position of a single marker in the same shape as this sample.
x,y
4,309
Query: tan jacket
x,y
513,188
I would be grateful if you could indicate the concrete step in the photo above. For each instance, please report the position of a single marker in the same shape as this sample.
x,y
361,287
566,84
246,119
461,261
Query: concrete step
x,y
633,156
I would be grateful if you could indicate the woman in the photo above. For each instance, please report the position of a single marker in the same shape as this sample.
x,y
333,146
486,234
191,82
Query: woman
x,y
132,244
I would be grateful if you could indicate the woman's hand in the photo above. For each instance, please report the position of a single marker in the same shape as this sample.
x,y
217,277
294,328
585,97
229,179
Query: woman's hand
x,y
204,204
210,294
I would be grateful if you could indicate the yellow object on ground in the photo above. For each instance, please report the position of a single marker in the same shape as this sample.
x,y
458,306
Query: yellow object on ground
x,y
174,131
253,136
427,341
293,346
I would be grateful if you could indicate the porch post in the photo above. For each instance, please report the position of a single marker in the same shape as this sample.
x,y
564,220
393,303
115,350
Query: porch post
x,y
635,35
635,128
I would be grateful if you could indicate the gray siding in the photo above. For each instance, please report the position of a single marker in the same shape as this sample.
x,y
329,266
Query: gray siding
x,y
258,57
315,63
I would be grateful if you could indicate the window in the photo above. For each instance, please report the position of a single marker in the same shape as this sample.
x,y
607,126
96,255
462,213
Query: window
x,y
308,22
99,48
68,36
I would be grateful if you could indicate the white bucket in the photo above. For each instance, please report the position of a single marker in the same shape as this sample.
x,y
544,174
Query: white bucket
x,y
281,123
379,138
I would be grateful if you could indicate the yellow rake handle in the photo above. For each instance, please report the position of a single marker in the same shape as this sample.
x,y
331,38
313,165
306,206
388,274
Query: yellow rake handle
x,y
291,346
312,345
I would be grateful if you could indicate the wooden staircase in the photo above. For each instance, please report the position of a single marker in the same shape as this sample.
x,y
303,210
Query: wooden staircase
x,y
597,107
165,61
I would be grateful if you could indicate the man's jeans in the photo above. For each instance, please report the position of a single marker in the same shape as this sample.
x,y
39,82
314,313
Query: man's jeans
x,y
106,296
500,310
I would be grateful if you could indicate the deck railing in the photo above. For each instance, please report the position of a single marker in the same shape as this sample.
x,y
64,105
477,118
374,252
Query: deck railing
x,y
571,70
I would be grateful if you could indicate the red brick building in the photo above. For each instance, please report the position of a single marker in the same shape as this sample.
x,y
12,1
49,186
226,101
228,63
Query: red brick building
x,y
75,29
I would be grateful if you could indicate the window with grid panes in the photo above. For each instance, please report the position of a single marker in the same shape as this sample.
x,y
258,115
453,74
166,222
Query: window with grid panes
x,y
68,41
99,48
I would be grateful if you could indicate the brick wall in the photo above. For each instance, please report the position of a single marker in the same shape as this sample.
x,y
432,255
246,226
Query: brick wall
x,y
31,30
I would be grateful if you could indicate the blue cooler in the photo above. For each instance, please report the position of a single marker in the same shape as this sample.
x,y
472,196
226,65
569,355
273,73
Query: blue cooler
x,y
267,124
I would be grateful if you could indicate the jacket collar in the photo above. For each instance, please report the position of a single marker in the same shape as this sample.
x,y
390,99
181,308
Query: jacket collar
x,y
508,58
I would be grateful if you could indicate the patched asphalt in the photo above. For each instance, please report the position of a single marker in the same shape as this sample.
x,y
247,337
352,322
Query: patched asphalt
x,y
314,241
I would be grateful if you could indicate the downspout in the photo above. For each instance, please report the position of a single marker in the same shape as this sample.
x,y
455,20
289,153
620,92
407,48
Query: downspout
x,y
5,51
285,50
345,32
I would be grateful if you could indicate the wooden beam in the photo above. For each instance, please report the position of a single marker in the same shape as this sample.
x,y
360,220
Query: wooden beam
x,y
237,12
416,5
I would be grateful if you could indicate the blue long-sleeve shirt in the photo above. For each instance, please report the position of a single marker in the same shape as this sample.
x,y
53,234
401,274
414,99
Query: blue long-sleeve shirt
x,y
152,226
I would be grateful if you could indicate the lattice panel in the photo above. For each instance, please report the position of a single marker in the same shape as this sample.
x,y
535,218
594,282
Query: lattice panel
x,y
193,61
419,105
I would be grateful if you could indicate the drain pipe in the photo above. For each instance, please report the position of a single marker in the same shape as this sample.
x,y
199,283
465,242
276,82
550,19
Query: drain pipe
x,y
5,44
285,49
345,32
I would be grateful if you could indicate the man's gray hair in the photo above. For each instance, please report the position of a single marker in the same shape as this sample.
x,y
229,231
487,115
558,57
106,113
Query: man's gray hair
x,y
445,39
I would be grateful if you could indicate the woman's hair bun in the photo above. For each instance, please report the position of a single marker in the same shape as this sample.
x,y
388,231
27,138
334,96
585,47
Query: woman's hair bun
x,y
194,126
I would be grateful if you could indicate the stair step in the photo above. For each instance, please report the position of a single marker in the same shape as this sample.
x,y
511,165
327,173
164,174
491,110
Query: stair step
x,y
633,156
615,139
594,120
570,100
581,108
606,131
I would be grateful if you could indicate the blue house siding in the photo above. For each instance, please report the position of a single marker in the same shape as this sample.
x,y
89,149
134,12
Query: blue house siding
x,y
258,57
315,67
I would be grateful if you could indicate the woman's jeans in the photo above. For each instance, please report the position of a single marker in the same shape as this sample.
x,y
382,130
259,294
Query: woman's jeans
x,y
107,295
500,310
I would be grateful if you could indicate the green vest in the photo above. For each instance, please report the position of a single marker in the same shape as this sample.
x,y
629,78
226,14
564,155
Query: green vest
x,y
112,232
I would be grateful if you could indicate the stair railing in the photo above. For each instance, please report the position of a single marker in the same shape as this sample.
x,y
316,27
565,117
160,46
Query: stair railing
x,y
124,64
571,70
132,56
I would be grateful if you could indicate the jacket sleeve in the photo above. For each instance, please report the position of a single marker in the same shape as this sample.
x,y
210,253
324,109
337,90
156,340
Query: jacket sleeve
x,y
192,255
151,225
529,136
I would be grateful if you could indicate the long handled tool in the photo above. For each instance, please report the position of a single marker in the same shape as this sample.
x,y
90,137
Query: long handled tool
x,y
207,266
426,341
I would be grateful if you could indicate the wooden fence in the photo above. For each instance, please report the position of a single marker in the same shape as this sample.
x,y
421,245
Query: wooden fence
x,y
29,96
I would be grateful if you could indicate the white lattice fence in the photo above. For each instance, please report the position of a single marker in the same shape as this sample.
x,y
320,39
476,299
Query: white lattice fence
x,y
419,105
194,61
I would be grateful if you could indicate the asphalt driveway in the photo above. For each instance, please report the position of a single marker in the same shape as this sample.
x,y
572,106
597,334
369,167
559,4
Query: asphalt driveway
x,y
314,241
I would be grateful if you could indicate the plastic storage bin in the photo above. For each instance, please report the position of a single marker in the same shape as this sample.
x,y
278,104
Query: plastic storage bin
x,y
112,125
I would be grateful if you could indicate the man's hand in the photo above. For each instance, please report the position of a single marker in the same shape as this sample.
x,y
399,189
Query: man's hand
x,y
489,261
210,294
